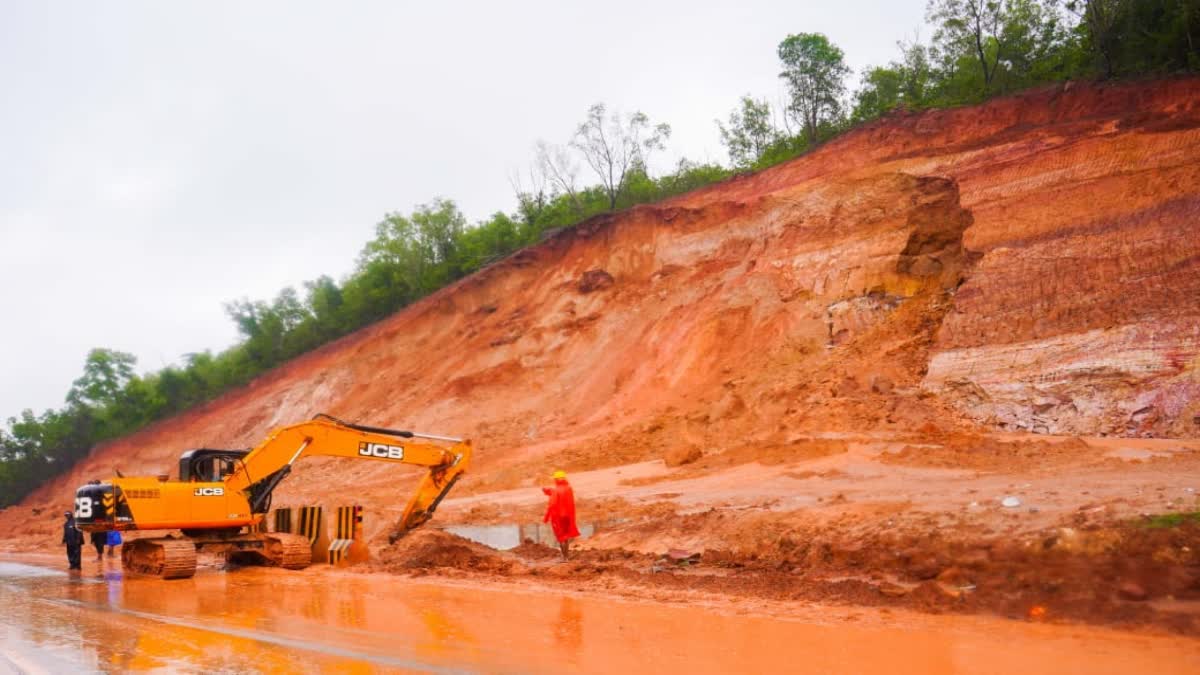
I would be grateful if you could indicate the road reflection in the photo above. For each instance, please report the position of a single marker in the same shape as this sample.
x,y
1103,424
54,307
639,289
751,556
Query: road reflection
x,y
316,621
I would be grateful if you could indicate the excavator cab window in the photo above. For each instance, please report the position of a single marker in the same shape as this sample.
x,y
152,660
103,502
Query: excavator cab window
x,y
208,465
212,469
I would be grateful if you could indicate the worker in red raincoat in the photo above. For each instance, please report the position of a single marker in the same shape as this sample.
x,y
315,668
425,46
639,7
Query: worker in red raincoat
x,y
560,512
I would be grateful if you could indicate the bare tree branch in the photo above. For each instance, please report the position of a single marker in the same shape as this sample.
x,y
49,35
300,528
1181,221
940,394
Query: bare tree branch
x,y
555,165
612,147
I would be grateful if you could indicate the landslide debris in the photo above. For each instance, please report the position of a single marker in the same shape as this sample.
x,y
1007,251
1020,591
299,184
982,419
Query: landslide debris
x,y
1101,574
427,549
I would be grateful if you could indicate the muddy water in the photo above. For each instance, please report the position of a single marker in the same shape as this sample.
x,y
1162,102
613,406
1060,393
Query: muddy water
x,y
315,621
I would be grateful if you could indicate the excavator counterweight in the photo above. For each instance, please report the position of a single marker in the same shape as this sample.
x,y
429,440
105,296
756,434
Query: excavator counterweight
x,y
221,495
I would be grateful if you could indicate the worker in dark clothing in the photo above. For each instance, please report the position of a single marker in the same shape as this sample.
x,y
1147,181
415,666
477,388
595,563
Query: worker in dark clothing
x,y
73,540
99,540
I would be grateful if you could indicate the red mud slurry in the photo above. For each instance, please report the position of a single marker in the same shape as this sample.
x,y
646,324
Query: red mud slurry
x,y
319,622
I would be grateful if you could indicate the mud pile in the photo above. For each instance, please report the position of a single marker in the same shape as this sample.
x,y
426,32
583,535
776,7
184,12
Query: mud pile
x,y
428,549
1028,264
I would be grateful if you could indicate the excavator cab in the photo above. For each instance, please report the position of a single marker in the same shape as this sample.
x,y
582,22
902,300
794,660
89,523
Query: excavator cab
x,y
206,465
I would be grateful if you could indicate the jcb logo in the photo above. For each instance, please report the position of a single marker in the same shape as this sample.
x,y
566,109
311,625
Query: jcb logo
x,y
381,450
209,492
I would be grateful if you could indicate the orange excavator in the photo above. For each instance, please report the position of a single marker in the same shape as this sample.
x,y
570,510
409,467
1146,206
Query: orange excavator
x,y
221,496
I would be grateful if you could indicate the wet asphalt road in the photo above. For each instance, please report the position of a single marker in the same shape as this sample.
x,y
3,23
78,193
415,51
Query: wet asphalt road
x,y
256,620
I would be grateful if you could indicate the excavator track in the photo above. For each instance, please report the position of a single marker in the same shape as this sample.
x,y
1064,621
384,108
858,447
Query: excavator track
x,y
289,551
164,557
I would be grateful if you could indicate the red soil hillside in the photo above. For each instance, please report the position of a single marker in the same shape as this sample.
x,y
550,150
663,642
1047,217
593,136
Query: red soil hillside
x,y
1029,264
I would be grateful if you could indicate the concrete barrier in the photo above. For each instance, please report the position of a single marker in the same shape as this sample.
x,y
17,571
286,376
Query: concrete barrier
x,y
312,527
347,545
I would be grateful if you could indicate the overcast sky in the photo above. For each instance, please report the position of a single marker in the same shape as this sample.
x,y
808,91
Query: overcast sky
x,y
158,159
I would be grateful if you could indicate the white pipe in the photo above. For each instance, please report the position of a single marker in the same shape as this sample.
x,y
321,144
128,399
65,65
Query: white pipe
x,y
438,438
302,447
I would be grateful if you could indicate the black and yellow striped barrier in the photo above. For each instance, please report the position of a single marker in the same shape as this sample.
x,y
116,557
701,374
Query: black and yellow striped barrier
x,y
283,520
347,541
311,523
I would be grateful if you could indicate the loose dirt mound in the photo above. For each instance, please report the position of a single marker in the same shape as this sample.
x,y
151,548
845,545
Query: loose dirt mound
x,y
682,455
426,549
533,551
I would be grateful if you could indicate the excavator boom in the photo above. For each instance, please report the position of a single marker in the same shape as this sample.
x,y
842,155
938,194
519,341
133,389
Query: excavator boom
x,y
268,464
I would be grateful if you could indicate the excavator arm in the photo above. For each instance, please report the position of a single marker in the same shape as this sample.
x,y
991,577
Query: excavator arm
x,y
263,468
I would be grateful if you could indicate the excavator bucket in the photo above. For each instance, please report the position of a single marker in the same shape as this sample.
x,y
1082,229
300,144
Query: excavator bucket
x,y
430,493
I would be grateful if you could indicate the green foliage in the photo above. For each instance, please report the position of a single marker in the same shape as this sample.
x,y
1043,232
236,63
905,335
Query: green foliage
x,y
879,93
688,176
750,132
1164,521
416,253
968,37
904,83
985,47
815,73
1132,37
783,149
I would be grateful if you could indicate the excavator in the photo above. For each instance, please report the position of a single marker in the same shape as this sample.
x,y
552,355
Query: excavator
x,y
221,496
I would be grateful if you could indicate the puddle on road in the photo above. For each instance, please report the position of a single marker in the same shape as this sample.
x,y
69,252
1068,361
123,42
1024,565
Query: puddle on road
x,y
509,536
313,621
13,570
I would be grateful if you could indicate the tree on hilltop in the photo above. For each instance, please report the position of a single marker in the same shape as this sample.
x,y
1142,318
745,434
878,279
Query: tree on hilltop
x,y
105,374
815,72
906,82
750,132
616,147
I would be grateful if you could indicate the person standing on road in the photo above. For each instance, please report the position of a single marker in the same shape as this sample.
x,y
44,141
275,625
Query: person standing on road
x,y
99,539
73,540
560,512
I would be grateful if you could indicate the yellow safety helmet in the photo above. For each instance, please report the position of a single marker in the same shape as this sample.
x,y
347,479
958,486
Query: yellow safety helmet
x,y
560,475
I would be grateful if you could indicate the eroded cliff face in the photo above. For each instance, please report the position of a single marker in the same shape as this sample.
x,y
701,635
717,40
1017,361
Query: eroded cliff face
x,y
1082,314
1032,263
1090,329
